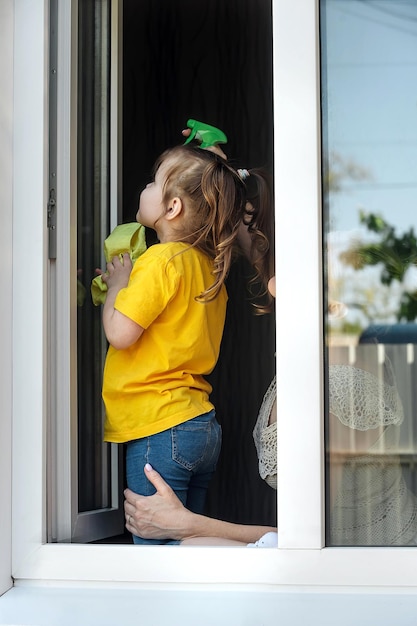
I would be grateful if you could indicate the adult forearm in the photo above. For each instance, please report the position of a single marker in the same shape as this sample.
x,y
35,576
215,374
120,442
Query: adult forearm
x,y
201,526
163,516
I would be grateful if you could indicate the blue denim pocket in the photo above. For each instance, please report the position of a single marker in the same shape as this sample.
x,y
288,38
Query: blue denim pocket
x,y
196,443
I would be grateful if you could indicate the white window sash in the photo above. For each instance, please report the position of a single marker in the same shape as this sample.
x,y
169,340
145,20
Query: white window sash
x,y
298,272
62,475
301,560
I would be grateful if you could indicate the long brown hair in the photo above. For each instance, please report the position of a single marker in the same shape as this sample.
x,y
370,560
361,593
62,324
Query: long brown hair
x,y
217,201
259,219
214,197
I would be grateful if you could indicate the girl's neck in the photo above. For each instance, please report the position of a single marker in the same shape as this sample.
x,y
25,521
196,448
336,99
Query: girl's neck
x,y
166,234
167,237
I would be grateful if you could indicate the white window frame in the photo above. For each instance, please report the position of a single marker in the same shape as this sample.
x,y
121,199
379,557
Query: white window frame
x,y
301,560
6,311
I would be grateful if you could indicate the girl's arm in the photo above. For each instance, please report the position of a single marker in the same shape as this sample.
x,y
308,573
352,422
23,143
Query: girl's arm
x,y
121,331
163,516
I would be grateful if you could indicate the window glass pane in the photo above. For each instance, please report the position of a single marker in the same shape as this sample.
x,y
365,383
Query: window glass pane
x,y
93,226
369,74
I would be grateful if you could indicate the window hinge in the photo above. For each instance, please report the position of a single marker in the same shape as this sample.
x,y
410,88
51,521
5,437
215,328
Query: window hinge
x,y
51,222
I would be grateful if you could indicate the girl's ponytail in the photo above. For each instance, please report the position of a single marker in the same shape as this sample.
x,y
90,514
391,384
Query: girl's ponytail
x,y
224,193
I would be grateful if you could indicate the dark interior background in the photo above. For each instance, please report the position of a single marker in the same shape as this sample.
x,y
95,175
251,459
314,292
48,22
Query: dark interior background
x,y
210,60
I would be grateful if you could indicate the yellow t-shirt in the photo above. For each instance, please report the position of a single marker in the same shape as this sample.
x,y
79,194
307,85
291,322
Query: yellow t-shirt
x,y
158,382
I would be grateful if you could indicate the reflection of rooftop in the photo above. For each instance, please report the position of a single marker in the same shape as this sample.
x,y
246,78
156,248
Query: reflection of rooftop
x,y
376,334
390,333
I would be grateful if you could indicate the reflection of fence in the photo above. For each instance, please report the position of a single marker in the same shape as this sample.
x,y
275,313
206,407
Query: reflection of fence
x,y
368,481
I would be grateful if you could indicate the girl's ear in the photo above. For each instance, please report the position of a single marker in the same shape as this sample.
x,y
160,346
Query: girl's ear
x,y
174,209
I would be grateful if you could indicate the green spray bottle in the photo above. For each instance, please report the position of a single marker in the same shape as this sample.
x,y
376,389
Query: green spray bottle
x,y
208,135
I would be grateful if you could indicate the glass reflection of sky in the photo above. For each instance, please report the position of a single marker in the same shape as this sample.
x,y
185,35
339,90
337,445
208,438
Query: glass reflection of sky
x,y
371,61
370,119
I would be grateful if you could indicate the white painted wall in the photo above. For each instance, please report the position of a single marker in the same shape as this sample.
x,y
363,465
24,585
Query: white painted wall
x,y
6,195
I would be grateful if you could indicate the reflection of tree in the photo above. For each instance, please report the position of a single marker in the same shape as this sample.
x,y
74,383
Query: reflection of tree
x,y
367,302
375,302
394,253
340,169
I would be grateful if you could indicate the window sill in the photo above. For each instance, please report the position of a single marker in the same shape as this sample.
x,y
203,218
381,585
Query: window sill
x,y
33,605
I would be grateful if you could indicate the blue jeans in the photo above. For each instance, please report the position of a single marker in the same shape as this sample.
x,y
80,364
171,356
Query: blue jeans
x,y
185,456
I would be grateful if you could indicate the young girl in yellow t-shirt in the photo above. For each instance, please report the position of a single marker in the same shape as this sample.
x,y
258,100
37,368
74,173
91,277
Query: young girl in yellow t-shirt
x,y
164,321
